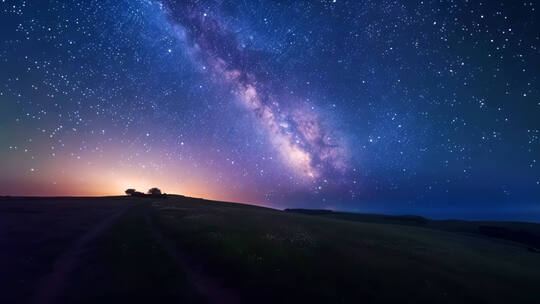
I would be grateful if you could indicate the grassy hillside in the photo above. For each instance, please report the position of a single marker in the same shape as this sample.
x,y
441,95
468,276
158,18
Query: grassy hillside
x,y
178,249
272,255
525,233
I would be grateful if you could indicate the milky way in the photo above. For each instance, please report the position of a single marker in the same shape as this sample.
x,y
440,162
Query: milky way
x,y
304,142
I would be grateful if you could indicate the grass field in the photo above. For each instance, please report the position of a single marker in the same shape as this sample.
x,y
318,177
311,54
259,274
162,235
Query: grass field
x,y
195,251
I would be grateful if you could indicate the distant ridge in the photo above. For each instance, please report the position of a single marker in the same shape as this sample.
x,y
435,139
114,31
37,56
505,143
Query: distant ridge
x,y
519,232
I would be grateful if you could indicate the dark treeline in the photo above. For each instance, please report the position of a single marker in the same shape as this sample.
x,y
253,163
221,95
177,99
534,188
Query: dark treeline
x,y
152,192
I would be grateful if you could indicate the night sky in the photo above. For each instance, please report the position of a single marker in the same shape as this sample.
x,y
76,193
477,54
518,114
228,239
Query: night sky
x,y
423,107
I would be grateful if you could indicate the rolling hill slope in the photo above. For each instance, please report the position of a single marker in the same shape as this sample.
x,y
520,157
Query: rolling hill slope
x,y
190,250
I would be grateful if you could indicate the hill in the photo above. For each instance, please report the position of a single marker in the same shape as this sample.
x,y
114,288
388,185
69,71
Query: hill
x,y
525,233
120,249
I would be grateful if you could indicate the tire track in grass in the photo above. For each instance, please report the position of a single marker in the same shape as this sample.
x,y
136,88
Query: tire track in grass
x,y
51,286
210,287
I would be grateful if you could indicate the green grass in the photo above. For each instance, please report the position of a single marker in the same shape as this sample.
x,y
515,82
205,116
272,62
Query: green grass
x,y
127,265
271,256
264,255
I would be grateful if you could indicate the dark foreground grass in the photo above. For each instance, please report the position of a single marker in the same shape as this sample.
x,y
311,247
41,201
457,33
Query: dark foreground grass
x,y
273,256
262,255
35,232
127,265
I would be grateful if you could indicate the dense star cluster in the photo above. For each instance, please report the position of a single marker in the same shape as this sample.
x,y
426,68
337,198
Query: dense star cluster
x,y
356,105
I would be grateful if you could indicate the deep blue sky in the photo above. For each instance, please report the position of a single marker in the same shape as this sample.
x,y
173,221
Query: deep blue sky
x,y
422,107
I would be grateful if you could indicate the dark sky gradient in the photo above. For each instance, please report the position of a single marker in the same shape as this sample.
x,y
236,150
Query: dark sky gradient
x,y
423,107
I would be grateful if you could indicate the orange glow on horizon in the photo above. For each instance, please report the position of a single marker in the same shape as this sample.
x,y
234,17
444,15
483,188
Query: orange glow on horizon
x,y
112,173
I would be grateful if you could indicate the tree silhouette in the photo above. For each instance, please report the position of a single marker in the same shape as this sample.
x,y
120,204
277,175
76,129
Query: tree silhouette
x,y
154,192
130,192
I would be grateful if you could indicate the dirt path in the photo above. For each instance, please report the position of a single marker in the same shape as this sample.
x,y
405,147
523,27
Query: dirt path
x,y
210,287
51,286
